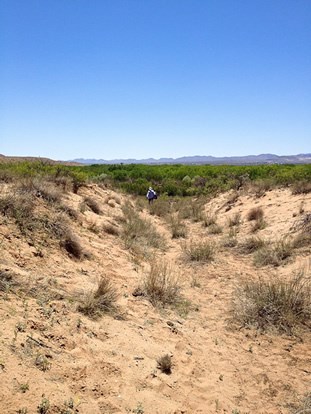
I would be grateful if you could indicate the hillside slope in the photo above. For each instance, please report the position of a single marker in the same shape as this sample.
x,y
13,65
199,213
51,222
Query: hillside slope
x,y
56,359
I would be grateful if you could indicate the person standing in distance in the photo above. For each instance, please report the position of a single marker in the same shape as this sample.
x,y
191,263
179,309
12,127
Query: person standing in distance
x,y
151,195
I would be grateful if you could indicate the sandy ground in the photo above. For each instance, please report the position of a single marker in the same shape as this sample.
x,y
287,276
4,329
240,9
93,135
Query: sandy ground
x,y
51,351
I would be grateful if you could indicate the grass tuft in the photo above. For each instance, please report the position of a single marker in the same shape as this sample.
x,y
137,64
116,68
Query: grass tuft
x,y
278,304
100,301
200,251
165,364
161,284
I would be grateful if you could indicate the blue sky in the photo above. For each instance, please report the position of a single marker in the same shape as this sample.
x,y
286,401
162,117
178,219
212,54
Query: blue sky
x,y
154,78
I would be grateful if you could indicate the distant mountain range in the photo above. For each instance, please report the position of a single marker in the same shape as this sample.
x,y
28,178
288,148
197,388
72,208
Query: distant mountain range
x,y
201,159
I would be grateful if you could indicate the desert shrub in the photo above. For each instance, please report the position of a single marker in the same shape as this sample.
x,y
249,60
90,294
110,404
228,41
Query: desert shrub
x,y
260,187
191,209
209,220
41,187
102,300
44,406
160,208
273,255
251,245
71,212
72,244
256,213
93,205
139,231
164,363
280,304
111,229
302,239
233,198
161,284
259,224
214,229
199,251
301,187
235,220
229,241
42,362
20,207
177,226
304,405
6,280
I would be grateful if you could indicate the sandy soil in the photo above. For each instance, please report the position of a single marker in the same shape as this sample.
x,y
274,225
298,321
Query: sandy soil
x,y
51,351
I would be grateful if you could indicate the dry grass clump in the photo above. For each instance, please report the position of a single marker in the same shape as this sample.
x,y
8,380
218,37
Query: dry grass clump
x,y
177,226
273,255
161,284
209,219
303,239
20,207
235,220
260,187
165,364
301,187
278,304
111,229
256,213
304,406
72,244
69,211
139,232
160,208
93,205
41,187
102,300
259,224
6,280
215,229
199,251
229,241
251,245
191,209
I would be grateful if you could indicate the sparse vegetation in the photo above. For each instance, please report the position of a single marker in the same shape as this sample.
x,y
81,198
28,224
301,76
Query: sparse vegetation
x,y
165,364
100,301
43,407
273,255
72,244
139,232
214,229
301,187
251,245
199,251
93,205
42,362
235,220
255,213
209,220
259,224
178,227
161,284
283,305
111,229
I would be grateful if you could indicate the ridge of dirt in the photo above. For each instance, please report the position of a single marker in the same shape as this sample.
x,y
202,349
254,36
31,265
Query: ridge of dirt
x,y
48,350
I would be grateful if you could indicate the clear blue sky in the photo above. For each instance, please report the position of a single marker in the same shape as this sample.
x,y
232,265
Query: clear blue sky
x,y
154,78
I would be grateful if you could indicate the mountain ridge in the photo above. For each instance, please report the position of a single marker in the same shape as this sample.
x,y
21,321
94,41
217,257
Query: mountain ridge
x,y
208,159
